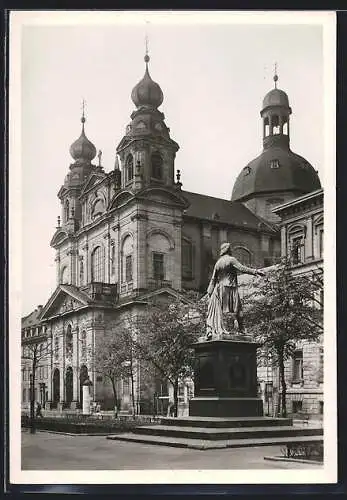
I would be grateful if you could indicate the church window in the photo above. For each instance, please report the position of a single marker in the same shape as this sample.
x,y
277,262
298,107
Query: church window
x,y
128,268
68,342
64,276
247,170
141,125
113,258
158,265
97,265
81,271
297,250
187,259
296,237
67,210
298,369
274,164
243,255
98,208
321,243
156,166
129,168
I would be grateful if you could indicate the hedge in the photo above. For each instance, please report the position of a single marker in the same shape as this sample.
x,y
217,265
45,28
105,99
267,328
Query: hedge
x,y
79,424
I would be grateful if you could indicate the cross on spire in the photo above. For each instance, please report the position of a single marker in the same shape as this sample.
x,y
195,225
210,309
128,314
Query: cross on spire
x,y
275,75
83,119
146,45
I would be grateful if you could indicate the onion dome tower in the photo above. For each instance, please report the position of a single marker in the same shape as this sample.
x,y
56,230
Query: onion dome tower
x,y
83,152
146,152
277,174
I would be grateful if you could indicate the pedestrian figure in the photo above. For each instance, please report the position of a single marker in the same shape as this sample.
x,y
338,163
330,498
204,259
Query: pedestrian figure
x,y
38,410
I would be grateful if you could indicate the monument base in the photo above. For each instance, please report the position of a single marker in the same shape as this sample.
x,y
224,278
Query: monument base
x,y
225,407
225,378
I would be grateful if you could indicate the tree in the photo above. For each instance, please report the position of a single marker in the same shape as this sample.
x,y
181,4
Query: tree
x,y
114,357
165,336
283,309
36,351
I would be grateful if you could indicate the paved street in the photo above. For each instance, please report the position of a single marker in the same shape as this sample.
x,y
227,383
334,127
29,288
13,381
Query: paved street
x,y
46,451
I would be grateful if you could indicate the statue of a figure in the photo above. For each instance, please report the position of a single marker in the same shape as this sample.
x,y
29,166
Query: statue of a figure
x,y
222,293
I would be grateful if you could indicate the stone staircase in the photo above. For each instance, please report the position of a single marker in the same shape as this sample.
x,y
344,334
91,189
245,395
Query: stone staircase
x,y
219,432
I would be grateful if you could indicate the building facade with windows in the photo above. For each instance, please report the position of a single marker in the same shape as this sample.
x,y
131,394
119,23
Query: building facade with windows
x,y
302,241
126,235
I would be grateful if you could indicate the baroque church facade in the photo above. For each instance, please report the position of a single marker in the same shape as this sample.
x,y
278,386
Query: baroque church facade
x,y
132,233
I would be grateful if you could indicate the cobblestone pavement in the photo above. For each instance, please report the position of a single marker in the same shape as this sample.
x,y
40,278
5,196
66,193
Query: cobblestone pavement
x,y
47,451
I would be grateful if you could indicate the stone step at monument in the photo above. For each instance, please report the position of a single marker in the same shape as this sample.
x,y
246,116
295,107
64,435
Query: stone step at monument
x,y
201,444
225,422
210,433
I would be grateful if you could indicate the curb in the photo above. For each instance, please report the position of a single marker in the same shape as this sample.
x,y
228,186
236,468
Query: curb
x,y
294,460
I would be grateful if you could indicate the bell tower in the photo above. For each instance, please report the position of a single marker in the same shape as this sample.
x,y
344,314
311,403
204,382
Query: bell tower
x,y
275,114
147,152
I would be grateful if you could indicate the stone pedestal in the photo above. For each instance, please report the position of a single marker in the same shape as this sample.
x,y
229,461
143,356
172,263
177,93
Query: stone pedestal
x,y
86,410
226,378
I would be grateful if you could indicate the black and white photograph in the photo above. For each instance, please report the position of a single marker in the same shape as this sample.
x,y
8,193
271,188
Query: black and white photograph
x,y
172,314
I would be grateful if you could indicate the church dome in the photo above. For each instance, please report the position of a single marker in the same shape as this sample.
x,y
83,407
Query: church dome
x,y
276,170
82,150
276,97
147,92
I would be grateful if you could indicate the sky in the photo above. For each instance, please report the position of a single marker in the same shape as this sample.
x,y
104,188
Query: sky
x,y
214,77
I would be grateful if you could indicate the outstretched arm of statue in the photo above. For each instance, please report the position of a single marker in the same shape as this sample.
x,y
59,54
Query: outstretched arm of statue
x,y
244,269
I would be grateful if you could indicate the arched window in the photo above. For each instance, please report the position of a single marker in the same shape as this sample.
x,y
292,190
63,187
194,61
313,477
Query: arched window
x,y
285,128
64,279
67,210
296,244
129,168
243,255
83,377
68,342
187,259
68,385
98,208
156,166
127,259
97,265
275,124
56,387
266,126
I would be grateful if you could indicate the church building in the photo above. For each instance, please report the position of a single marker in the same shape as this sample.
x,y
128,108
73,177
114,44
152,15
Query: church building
x,y
133,232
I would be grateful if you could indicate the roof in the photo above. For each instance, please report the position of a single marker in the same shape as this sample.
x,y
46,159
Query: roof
x,y
32,318
221,210
301,200
276,169
276,97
